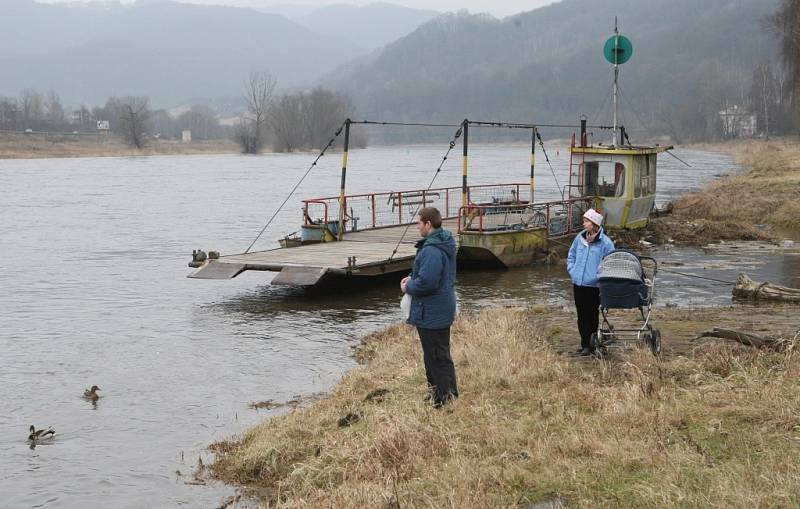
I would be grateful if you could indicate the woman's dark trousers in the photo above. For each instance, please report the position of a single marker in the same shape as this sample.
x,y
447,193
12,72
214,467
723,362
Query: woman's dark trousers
x,y
439,368
587,302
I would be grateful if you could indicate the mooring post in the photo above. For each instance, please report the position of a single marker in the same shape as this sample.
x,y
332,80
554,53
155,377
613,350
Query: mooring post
x,y
342,199
464,188
533,161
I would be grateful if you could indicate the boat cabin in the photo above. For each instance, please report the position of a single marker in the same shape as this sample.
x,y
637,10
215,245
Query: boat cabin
x,y
621,179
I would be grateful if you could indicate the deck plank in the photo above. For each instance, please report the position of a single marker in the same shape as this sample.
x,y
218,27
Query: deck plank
x,y
369,247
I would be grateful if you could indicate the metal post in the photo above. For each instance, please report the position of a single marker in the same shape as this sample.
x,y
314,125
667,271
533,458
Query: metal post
x,y
373,209
533,160
342,199
616,78
583,131
464,188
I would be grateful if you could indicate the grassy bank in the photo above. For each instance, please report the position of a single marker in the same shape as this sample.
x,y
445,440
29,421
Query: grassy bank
x,y
38,146
718,427
753,205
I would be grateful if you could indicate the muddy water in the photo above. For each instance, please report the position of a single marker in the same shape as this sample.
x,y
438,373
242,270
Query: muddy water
x,y
94,292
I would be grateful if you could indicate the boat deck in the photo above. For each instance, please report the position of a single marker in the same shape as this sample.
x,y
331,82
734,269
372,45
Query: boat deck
x,y
361,253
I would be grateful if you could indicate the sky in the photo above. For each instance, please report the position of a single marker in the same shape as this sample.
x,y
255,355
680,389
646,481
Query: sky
x,y
498,8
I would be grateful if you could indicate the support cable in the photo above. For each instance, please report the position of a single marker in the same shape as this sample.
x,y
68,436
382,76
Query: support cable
x,y
322,153
678,158
507,125
435,174
546,158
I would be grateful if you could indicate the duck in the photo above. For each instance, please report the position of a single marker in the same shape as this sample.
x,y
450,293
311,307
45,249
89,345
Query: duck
x,y
40,434
91,394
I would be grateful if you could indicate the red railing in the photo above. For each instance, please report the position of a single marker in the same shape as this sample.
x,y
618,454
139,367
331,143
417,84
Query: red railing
x,y
377,210
559,218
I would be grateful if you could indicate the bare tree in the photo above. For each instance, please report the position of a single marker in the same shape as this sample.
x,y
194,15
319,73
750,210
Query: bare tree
x,y
134,115
31,107
258,95
323,112
786,23
286,122
55,111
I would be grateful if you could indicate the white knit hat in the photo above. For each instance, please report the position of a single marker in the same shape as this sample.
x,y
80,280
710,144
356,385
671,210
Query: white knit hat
x,y
594,216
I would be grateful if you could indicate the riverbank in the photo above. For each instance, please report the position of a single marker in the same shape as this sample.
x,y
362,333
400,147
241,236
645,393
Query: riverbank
x,y
762,203
717,426
40,146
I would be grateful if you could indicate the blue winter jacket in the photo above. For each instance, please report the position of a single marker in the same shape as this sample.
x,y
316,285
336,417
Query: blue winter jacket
x,y
432,282
584,259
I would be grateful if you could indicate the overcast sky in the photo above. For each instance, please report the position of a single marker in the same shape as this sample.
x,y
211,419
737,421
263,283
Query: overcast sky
x,y
499,8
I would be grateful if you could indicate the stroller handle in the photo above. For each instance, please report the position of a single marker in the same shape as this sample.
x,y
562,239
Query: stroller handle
x,y
655,263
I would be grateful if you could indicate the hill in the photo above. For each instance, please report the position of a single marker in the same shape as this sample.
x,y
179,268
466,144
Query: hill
x,y
547,65
168,51
368,26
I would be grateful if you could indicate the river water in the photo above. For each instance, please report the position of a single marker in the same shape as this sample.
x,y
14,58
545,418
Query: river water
x,y
94,291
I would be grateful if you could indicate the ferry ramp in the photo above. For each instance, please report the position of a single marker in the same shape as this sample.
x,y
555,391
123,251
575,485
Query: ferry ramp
x,y
359,254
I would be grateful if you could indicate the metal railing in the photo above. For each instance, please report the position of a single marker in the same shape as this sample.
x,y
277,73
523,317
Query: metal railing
x,y
394,208
559,218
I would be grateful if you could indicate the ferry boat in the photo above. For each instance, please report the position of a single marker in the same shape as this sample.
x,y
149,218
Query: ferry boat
x,y
367,235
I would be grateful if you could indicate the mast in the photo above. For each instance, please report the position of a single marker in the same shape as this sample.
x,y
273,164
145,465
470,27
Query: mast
x,y
617,50
616,80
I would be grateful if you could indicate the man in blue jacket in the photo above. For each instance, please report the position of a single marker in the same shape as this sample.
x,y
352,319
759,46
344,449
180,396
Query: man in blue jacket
x,y
431,286
587,251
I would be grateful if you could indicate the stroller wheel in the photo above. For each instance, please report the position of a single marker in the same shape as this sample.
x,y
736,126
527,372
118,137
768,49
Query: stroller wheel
x,y
655,342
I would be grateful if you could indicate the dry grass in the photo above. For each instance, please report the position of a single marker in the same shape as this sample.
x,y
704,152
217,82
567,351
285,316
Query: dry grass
x,y
719,429
767,193
35,146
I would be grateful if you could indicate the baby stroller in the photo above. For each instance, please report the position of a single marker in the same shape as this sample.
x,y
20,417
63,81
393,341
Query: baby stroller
x,y
626,284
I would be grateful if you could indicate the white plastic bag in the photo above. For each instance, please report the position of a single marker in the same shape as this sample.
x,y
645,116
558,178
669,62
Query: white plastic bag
x,y
405,306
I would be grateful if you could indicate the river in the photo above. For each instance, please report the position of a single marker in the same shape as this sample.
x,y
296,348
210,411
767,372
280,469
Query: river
x,y
94,291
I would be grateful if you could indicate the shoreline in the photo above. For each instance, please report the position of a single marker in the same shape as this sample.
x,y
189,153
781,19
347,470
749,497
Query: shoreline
x,y
534,424
46,146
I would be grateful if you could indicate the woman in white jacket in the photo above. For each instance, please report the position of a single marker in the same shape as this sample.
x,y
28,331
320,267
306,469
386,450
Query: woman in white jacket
x,y
587,251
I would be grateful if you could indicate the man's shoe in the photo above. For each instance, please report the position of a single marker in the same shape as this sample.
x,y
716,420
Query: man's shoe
x,y
579,350
585,352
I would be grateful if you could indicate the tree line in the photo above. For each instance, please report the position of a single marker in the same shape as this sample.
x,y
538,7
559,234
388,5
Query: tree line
x,y
290,121
285,123
723,101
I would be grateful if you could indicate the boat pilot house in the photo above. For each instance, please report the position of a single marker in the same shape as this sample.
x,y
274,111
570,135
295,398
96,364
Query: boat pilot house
x,y
622,180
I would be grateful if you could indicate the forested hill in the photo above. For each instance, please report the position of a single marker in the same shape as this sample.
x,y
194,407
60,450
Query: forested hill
x,y
547,64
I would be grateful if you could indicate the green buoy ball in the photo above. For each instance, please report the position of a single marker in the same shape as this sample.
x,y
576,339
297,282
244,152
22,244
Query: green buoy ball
x,y
618,49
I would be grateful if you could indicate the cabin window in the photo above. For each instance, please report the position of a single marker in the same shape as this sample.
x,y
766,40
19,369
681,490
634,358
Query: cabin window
x,y
646,183
604,178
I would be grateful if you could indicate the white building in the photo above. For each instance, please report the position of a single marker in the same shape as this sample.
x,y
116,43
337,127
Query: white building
x,y
737,122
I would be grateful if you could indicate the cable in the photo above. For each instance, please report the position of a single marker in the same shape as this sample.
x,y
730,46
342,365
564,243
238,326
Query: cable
x,y
698,277
411,124
436,174
507,125
678,158
322,153
541,144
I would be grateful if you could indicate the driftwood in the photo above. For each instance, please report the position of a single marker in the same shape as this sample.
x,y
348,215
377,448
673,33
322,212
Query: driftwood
x,y
746,338
748,289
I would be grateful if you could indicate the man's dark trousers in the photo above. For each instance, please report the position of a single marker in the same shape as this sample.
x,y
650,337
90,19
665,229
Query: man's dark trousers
x,y
587,303
439,368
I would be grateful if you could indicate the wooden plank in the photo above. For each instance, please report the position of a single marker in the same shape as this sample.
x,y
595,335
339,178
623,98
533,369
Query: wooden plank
x,y
299,276
216,270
